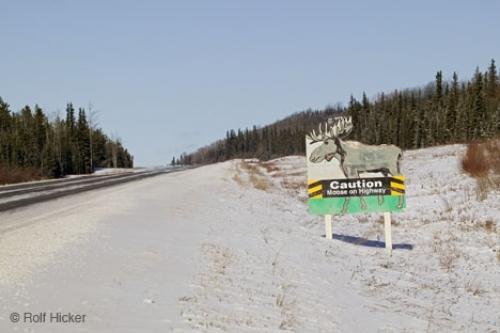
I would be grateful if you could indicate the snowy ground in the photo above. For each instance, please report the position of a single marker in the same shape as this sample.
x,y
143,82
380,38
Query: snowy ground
x,y
108,171
231,248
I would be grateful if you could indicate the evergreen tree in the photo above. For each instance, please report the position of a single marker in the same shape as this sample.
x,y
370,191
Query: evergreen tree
x,y
5,133
493,100
435,132
83,143
40,134
479,114
451,110
69,139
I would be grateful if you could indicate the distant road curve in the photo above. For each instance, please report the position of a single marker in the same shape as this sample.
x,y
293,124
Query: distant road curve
x,y
17,196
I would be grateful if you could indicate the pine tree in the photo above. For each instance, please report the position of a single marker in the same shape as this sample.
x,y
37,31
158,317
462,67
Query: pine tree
x,y
69,139
420,123
40,137
83,143
354,110
479,116
452,110
436,132
364,121
5,133
493,101
27,155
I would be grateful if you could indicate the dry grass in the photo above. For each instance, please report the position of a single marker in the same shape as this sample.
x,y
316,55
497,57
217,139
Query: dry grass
x,y
482,161
490,226
381,221
270,167
259,183
292,185
257,178
14,174
286,303
237,176
238,180
474,288
447,251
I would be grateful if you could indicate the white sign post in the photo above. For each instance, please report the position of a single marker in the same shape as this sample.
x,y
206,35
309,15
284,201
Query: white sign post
x,y
388,233
328,226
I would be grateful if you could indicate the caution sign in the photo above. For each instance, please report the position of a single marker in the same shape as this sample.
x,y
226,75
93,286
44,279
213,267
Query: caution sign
x,y
335,188
349,176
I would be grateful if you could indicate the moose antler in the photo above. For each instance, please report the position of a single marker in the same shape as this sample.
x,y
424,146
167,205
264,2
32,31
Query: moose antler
x,y
321,135
342,127
338,127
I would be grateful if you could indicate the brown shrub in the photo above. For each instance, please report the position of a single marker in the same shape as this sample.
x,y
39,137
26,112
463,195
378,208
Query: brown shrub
x,y
475,161
482,161
15,174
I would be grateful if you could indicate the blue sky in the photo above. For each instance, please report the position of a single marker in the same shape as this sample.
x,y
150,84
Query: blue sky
x,y
170,76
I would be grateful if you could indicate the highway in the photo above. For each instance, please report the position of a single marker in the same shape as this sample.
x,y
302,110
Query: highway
x,y
21,195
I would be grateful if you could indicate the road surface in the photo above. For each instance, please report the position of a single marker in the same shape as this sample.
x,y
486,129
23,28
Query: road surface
x,y
109,254
21,195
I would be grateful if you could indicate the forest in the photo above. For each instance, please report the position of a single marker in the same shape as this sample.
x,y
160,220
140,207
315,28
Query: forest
x,y
34,147
440,112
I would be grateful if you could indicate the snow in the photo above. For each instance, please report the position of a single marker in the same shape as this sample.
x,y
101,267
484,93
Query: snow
x,y
108,171
231,248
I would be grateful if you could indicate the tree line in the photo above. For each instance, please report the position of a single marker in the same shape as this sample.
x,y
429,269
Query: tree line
x,y
441,112
44,148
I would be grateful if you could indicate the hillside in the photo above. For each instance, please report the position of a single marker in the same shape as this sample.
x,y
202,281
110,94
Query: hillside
x,y
444,111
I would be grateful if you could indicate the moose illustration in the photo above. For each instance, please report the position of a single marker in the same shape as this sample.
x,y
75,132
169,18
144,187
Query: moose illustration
x,y
354,157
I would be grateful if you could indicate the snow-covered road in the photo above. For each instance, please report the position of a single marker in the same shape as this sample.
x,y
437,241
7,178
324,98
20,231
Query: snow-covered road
x,y
231,248
123,256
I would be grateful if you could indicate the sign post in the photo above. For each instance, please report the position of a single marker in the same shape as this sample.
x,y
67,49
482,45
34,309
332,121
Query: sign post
x,y
328,226
388,233
348,177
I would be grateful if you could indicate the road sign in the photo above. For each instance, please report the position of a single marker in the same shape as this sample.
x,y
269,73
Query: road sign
x,y
351,177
